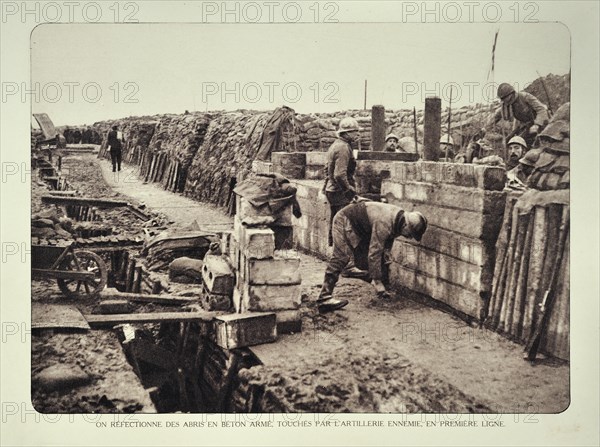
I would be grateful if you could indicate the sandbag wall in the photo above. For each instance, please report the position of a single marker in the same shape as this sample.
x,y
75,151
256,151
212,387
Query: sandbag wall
x,y
226,155
464,205
530,251
174,145
316,132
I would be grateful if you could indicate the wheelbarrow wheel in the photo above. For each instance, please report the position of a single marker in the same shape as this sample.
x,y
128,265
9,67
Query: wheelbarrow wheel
x,y
88,262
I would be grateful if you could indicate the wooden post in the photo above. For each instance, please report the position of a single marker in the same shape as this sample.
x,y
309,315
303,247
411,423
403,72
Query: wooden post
x,y
378,128
365,103
137,285
432,129
130,275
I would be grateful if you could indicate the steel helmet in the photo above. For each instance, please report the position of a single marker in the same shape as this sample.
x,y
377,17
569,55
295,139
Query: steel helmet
x,y
530,158
556,131
517,140
504,90
347,124
417,223
390,136
446,139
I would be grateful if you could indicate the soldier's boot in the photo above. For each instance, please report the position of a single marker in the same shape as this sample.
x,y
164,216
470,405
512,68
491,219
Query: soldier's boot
x,y
325,301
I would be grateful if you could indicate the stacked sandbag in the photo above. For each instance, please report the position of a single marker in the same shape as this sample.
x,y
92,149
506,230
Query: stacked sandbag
x,y
49,224
227,152
186,270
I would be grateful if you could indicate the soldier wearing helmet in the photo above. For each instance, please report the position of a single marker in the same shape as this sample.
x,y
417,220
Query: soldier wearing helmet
x,y
341,164
527,113
446,147
517,177
391,143
517,147
363,230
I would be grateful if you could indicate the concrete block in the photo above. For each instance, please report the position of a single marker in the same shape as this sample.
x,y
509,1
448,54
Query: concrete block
x,y
240,330
439,265
473,251
262,167
217,275
460,174
316,158
264,298
387,156
289,164
471,199
459,298
114,307
282,269
254,242
289,322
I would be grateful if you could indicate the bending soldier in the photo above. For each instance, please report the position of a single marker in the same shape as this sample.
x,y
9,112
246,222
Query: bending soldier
x,y
363,230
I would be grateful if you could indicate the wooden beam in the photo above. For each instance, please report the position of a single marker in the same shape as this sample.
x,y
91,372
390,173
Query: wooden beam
x,y
83,201
64,274
97,321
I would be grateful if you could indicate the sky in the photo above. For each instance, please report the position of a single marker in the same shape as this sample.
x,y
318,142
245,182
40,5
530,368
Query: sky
x,y
89,72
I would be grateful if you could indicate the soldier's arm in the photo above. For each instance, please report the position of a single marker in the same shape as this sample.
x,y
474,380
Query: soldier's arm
x,y
541,118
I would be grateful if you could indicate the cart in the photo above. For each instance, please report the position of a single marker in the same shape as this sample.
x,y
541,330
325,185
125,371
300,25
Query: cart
x,y
78,272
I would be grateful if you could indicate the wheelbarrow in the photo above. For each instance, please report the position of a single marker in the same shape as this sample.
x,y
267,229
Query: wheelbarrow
x,y
78,272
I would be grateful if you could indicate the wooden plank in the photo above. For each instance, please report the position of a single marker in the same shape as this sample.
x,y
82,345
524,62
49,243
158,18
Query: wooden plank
x,y
111,293
83,201
64,274
96,321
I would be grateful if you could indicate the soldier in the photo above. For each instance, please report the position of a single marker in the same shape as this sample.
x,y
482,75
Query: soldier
x,y
391,143
363,230
517,147
340,184
530,114
341,164
517,177
115,144
446,144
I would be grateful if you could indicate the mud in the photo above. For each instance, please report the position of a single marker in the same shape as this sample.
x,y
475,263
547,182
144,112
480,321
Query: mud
x,y
397,355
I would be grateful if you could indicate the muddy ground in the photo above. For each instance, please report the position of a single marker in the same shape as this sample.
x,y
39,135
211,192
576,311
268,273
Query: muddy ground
x,y
398,355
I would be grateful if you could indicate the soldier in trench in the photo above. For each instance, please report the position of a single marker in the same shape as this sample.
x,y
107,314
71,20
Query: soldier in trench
x,y
363,230
340,184
115,144
528,113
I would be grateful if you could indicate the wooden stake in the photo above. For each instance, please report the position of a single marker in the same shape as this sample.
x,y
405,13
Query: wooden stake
x,y
516,324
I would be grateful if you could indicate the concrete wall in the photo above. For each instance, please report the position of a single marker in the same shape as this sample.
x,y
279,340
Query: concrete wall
x,y
463,203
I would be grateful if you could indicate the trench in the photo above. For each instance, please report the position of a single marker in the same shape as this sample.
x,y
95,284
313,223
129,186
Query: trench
x,y
183,370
